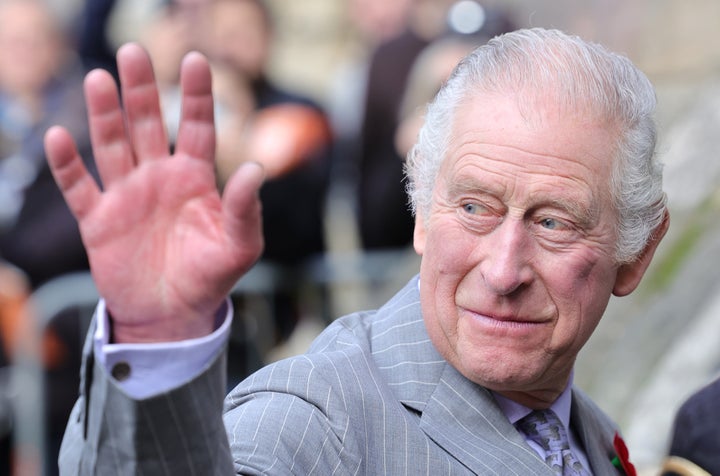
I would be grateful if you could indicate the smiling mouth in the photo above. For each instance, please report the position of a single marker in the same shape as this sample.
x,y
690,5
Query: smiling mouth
x,y
505,320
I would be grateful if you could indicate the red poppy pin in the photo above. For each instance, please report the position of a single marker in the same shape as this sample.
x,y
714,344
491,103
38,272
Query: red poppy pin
x,y
622,460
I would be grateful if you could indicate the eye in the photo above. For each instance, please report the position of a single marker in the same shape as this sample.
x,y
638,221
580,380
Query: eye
x,y
471,208
477,216
477,209
556,229
550,223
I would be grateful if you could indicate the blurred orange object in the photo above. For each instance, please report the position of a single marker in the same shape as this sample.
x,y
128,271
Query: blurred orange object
x,y
16,323
283,136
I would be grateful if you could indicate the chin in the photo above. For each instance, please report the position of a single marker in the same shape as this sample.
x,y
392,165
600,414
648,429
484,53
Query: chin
x,y
498,374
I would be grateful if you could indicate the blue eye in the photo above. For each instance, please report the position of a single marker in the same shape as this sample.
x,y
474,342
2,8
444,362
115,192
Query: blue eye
x,y
549,223
470,208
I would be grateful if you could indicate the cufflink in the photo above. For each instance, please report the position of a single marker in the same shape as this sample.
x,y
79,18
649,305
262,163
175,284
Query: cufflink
x,y
120,371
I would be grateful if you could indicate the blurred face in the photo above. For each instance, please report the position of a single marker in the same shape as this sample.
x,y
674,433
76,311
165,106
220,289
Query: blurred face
x,y
30,47
379,19
238,36
167,40
517,251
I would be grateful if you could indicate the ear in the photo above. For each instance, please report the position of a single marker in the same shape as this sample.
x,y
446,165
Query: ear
x,y
630,274
419,235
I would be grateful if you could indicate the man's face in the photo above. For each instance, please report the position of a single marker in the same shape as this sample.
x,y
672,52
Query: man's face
x,y
517,251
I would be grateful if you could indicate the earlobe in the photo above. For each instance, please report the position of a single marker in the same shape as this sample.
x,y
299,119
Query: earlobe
x,y
630,274
419,235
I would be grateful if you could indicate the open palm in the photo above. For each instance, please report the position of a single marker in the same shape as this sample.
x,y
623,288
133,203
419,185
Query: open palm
x,y
164,247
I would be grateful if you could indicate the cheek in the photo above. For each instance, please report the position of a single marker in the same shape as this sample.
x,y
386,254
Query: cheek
x,y
440,317
446,261
581,289
579,272
449,248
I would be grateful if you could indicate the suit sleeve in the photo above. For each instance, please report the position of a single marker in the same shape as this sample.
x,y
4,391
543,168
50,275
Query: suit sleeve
x,y
177,432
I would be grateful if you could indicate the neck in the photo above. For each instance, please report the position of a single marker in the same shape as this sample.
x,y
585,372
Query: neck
x,y
538,399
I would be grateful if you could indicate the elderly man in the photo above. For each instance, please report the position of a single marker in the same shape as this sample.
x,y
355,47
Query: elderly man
x,y
536,196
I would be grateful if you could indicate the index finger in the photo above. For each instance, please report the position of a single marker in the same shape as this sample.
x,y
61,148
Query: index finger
x,y
78,187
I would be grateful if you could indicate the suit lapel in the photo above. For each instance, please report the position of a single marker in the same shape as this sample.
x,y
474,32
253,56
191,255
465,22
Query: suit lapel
x,y
464,419
596,432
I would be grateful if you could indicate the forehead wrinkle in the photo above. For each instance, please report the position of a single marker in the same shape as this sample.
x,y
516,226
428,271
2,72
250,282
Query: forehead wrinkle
x,y
502,150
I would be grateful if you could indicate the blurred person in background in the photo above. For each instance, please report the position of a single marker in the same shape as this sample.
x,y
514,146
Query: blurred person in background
x,y
40,85
285,131
370,23
384,217
430,69
366,25
469,25
695,443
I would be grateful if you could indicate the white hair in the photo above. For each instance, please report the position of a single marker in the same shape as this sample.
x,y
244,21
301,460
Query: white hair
x,y
580,75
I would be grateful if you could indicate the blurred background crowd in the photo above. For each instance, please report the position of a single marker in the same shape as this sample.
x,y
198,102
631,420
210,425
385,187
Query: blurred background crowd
x,y
328,95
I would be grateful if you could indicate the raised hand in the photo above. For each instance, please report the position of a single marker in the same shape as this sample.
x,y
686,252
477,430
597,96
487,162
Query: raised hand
x,y
164,247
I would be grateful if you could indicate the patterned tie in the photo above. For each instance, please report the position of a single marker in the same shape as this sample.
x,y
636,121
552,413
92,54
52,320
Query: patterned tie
x,y
544,428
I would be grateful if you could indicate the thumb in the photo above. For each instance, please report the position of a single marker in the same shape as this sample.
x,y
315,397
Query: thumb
x,y
242,208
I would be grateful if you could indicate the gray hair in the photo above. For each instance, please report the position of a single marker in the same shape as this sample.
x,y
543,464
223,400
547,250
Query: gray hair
x,y
581,75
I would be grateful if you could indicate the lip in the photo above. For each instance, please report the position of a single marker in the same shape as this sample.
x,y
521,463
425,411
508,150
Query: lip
x,y
505,321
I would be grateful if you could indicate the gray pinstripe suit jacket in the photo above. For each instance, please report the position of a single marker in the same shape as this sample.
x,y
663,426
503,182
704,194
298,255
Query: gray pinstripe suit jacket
x,y
372,396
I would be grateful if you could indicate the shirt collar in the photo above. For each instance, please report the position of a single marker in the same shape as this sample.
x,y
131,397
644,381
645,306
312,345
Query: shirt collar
x,y
515,411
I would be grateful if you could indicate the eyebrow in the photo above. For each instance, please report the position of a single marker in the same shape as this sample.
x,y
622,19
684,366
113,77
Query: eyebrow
x,y
463,185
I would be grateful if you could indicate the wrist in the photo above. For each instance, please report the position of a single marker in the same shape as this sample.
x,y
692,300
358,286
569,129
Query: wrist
x,y
165,330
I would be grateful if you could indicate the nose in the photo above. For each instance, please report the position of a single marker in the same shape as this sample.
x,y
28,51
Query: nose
x,y
506,263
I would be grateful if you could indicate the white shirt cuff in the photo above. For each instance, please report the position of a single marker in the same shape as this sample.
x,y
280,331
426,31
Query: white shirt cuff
x,y
146,370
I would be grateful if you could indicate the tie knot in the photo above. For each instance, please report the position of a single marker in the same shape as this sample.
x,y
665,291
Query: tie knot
x,y
545,429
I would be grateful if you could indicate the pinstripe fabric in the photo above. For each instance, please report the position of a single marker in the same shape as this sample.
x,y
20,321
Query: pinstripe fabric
x,y
371,397
180,432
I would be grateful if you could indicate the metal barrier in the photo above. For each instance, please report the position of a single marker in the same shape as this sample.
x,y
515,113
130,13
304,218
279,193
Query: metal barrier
x,y
27,376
